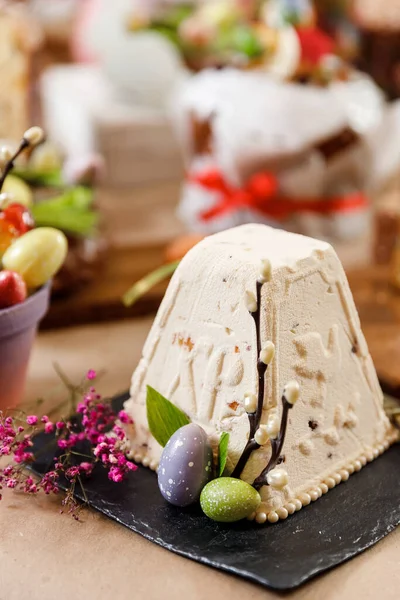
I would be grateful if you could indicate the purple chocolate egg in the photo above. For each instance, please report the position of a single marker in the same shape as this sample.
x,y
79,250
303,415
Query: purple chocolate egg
x,y
185,465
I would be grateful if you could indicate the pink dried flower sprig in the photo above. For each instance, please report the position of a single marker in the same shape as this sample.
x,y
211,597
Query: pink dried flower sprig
x,y
100,428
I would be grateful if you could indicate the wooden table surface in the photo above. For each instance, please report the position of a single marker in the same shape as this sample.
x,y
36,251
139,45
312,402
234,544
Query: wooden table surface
x,y
48,556
138,224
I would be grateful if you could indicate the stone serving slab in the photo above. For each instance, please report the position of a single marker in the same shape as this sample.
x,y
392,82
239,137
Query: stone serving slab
x,y
343,523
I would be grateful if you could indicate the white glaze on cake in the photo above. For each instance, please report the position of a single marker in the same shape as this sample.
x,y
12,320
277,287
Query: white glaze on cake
x,y
256,120
201,354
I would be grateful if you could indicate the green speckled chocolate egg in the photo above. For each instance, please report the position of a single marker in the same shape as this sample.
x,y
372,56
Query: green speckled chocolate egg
x,y
227,499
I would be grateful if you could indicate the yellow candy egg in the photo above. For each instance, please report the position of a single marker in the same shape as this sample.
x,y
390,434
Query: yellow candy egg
x,y
19,190
37,255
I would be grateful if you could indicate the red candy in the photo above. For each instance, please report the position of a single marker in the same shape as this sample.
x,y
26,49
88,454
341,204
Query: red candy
x,y
12,289
20,217
8,234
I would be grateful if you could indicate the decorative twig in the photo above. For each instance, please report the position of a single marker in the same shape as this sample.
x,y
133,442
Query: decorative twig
x,y
253,404
274,430
32,137
254,417
289,397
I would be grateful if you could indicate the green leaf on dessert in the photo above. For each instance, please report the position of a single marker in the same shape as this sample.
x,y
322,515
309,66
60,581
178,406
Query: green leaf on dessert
x,y
141,287
163,417
222,452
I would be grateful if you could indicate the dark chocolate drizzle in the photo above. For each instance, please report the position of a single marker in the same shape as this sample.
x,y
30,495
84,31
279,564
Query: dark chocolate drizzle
x,y
255,418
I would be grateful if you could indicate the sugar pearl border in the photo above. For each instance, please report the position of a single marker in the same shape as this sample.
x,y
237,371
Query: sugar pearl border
x,y
143,460
262,516
328,483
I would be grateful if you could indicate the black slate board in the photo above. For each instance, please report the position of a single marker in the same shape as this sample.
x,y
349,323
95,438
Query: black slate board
x,y
346,521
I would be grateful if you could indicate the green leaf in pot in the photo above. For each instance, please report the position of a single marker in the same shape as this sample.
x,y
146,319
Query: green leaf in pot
x,y
71,212
38,178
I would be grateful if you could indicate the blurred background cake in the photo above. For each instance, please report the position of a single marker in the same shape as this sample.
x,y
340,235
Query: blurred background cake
x,y
201,115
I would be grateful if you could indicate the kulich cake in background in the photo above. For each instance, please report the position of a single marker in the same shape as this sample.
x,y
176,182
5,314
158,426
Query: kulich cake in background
x,y
260,147
302,157
20,37
206,357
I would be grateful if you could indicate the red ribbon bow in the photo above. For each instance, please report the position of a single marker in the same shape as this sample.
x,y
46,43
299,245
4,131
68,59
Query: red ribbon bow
x,y
260,193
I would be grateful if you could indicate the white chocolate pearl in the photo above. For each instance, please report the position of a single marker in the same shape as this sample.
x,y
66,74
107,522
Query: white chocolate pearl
x,y
337,478
357,465
291,392
344,474
265,271
330,482
138,458
290,507
273,517
267,353
261,517
369,456
363,460
261,436
146,461
350,469
282,513
277,478
250,402
313,495
324,488
273,426
250,301
305,499
297,503
153,465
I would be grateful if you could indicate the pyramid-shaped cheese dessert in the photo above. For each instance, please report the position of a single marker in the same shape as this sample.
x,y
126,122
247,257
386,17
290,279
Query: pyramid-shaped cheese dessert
x,y
202,355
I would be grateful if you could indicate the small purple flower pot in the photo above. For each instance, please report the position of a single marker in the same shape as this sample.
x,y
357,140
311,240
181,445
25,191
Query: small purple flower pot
x,y
18,325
